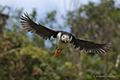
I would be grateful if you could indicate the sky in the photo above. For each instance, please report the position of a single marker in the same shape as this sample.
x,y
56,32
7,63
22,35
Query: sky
x,y
45,6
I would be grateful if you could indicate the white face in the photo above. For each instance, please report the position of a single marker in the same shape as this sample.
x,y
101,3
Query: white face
x,y
66,38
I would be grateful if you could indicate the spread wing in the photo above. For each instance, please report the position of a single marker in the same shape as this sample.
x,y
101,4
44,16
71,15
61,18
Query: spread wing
x,y
90,46
38,29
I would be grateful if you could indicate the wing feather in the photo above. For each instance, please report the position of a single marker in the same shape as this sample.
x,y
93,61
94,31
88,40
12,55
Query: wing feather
x,y
38,29
90,47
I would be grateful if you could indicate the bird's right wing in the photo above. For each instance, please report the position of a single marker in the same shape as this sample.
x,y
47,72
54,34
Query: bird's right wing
x,y
38,29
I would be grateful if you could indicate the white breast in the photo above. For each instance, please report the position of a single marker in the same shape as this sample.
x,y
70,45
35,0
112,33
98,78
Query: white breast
x,y
59,43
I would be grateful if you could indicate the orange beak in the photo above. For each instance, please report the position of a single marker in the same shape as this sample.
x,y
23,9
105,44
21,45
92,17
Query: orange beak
x,y
65,40
57,53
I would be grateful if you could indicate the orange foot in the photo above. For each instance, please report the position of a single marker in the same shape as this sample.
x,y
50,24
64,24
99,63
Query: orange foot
x,y
57,53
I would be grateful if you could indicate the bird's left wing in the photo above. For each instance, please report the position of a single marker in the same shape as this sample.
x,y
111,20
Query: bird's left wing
x,y
90,46
38,29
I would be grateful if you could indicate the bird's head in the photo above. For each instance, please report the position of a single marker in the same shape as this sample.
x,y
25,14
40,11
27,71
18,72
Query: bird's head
x,y
66,38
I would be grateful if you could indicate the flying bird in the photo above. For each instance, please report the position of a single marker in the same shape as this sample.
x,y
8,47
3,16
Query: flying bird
x,y
62,38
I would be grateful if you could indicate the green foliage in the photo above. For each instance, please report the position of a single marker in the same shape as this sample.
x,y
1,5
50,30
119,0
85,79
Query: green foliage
x,y
24,58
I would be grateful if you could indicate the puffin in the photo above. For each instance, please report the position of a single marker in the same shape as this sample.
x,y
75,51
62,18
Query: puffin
x,y
63,39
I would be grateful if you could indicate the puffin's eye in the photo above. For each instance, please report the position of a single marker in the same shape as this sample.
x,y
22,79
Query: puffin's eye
x,y
63,36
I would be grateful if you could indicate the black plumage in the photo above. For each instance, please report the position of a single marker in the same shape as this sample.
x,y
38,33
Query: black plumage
x,y
38,29
90,46
46,33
